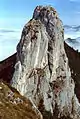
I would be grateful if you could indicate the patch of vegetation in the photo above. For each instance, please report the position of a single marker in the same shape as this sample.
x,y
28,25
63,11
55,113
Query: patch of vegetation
x,y
15,106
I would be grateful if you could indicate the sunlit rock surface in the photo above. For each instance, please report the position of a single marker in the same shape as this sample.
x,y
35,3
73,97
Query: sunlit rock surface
x,y
42,73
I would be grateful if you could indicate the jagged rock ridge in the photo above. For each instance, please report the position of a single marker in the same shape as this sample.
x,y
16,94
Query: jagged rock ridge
x,y
42,73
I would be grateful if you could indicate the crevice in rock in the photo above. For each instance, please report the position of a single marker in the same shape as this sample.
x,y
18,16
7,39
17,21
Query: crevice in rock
x,y
46,114
50,55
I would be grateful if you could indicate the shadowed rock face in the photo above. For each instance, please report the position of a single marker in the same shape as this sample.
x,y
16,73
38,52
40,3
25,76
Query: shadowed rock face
x,y
7,68
42,73
74,64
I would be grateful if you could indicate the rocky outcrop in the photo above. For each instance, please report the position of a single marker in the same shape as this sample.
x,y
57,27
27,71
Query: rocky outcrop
x,y
14,106
42,73
7,67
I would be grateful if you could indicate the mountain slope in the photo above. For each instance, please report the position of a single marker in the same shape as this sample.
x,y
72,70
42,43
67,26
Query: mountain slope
x,y
14,106
7,68
74,64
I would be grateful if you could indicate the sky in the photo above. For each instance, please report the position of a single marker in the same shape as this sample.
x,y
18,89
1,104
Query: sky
x,y
15,13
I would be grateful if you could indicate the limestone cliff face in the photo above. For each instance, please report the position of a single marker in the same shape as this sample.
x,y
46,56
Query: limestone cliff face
x,y
42,73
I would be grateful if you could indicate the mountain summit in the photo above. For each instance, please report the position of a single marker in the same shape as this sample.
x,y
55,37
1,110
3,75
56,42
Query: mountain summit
x,y
41,72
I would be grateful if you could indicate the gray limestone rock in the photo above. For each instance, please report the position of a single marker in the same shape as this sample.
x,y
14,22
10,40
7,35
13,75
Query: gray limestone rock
x,y
41,72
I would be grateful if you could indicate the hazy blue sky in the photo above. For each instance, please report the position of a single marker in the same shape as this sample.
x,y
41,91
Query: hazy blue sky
x,y
15,13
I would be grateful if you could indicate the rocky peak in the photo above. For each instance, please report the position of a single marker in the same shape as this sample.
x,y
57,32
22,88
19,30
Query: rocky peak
x,y
45,14
49,17
41,72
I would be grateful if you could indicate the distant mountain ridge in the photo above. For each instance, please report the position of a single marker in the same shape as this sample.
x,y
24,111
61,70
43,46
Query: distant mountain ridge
x,y
72,36
74,43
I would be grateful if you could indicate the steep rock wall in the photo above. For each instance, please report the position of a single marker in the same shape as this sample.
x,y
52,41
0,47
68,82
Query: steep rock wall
x,y
42,73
